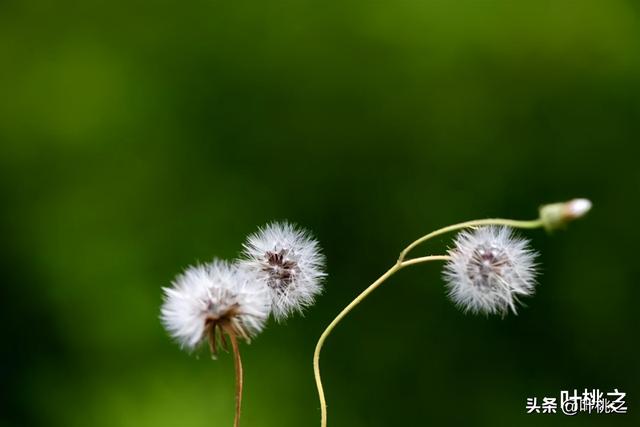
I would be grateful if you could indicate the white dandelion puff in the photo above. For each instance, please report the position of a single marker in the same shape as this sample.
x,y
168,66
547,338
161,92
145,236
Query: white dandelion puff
x,y
489,269
214,297
288,260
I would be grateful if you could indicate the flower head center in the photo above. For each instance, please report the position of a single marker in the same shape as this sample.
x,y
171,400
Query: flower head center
x,y
486,267
216,312
281,269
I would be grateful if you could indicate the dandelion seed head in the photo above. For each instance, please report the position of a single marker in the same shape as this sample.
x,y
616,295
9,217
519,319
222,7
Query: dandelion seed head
x,y
289,262
489,270
209,295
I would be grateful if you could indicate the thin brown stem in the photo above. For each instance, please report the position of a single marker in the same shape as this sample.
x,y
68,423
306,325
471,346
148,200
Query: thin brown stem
x,y
239,376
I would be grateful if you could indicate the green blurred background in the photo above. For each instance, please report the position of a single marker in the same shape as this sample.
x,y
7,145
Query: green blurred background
x,y
137,137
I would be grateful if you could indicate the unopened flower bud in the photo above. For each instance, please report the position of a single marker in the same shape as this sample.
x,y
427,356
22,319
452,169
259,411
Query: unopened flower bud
x,y
557,215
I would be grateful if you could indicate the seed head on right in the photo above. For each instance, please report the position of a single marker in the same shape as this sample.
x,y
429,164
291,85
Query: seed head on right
x,y
489,269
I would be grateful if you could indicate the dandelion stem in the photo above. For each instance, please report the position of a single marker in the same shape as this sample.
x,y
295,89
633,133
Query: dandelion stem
x,y
239,377
414,261
536,223
316,355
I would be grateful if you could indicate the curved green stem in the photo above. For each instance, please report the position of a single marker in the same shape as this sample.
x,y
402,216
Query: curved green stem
x,y
401,263
536,223
420,260
316,355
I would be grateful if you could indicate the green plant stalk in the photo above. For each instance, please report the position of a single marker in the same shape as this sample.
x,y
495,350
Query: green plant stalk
x,y
536,223
401,263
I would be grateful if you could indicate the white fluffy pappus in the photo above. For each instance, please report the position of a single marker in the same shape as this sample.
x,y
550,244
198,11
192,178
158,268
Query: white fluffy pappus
x,y
489,269
288,260
214,296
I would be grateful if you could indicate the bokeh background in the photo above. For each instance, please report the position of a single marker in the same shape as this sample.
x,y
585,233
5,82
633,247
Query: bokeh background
x,y
137,137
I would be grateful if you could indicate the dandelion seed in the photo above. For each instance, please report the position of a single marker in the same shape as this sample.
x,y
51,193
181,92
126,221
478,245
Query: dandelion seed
x,y
489,270
211,298
289,262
